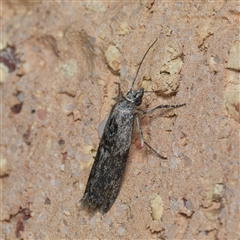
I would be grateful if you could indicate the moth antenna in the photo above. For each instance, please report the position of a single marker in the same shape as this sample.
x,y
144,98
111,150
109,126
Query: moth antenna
x,y
142,62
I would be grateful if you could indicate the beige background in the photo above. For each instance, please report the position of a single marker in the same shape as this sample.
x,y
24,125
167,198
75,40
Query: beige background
x,y
65,80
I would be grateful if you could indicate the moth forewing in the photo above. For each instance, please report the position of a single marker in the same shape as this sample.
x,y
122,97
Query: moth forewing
x,y
108,168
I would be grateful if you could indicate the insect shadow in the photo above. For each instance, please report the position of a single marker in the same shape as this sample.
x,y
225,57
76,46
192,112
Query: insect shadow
x,y
107,172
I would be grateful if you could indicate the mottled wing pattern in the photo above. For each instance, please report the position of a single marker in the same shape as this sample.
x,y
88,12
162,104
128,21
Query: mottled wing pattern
x,y
107,171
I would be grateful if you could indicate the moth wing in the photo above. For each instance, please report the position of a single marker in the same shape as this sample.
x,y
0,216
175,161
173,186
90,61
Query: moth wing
x,y
108,168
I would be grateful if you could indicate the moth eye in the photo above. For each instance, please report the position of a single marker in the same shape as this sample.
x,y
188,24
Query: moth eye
x,y
138,101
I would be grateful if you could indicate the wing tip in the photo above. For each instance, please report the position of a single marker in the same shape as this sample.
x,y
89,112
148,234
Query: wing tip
x,y
84,204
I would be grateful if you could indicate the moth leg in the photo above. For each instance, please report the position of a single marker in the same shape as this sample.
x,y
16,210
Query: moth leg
x,y
140,130
160,106
142,139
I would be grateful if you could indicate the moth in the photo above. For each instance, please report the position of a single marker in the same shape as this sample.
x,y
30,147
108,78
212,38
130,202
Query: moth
x,y
107,172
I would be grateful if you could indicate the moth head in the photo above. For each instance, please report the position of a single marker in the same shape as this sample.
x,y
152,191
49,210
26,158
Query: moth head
x,y
135,96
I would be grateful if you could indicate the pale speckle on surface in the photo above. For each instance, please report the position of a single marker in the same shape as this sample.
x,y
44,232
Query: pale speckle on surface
x,y
174,162
123,71
121,231
88,140
87,149
86,157
70,151
67,213
95,6
108,221
62,167
231,94
121,207
4,167
68,108
124,28
174,205
76,174
68,69
93,221
213,65
42,217
21,97
3,73
189,205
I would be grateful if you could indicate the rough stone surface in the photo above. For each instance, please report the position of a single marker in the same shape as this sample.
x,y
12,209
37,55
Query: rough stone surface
x,y
234,57
50,136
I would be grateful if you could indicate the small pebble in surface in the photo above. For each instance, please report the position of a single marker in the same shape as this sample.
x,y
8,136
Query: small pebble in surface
x,y
157,207
21,97
113,57
41,113
67,213
233,61
4,167
62,167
